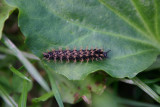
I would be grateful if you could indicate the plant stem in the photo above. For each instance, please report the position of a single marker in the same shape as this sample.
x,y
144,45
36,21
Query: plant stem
x,y
146,89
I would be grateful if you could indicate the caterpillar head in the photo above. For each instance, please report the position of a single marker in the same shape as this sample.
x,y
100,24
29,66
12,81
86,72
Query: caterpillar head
x,y
105,53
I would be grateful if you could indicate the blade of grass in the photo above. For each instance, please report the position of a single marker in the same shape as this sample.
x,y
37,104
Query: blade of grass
x,y
151,81
23,98
44,97
7,98
146,89
147,81
27,55
19,73
30,68
156,88
54,86
2,56
135,103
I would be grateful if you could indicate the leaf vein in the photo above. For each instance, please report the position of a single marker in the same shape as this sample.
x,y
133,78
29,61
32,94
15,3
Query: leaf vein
x,y
99,31
124,18
142,18
130,55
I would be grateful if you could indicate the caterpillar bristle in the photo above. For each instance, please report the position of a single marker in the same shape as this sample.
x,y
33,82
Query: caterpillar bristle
x,y
67,48
87,60
75,61
100,58
60,49
96,59
81,48
75,55
81,60
92,59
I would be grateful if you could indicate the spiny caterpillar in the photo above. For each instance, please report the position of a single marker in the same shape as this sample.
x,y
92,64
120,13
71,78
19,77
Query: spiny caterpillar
x,y
75,55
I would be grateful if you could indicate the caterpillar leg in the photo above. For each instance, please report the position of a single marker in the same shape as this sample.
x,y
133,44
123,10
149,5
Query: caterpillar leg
x,y
82,60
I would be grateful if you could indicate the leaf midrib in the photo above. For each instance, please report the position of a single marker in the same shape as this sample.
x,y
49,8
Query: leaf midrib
x,y
134,54
142,18
153,39
123,17
89,27
110,34
102,32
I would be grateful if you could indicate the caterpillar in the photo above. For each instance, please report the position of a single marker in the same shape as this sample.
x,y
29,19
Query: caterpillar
x,y
75,55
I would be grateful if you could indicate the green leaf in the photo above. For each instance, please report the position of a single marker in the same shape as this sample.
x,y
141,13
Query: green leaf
x,y
5,10
130,29
44,97
18,88
74,91
5,82
157,88
7,98
155,65
23,98
107,99
19,74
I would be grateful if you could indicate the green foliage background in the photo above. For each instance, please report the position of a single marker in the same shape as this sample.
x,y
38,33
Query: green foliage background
x,y
129,28
126,27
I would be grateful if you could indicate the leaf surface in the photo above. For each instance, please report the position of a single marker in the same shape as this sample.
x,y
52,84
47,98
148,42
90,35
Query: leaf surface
x,y
74,91
5,9
128,28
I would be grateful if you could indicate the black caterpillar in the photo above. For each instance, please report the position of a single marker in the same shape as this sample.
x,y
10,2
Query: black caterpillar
x,y
75,55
